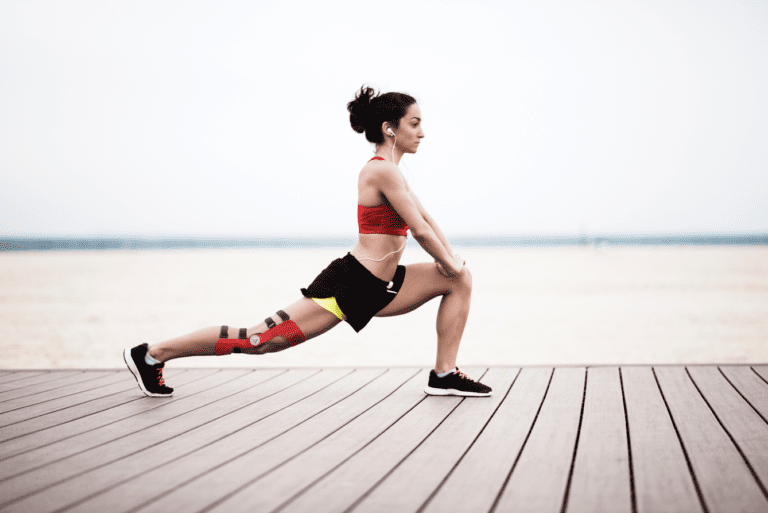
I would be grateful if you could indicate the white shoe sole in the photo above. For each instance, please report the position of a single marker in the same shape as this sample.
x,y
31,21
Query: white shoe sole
x,y
452,391
137,375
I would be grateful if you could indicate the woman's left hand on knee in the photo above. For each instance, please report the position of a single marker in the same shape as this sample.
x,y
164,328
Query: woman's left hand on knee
x,y
459,261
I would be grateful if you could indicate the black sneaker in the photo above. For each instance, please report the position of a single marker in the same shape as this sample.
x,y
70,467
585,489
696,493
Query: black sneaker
x,y
149,377
456,383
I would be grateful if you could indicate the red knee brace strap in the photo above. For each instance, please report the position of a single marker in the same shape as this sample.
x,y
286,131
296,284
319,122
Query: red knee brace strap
x,y
288,329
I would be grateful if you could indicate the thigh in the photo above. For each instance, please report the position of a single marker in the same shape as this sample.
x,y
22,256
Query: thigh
x,y
312,319
422,283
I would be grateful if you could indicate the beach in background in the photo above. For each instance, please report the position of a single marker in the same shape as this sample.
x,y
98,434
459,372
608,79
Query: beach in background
x,y
531,306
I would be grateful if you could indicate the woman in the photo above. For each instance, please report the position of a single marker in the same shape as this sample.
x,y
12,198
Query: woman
x,y
368,281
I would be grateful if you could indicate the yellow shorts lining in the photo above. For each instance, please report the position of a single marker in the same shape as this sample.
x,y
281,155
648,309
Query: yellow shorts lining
x,y
330,304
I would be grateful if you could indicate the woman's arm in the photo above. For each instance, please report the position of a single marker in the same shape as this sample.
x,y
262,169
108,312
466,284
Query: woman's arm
x,y
440,235
432,223
391,183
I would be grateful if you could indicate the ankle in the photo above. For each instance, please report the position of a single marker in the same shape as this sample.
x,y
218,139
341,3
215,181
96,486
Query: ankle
x,y
156,353
446,372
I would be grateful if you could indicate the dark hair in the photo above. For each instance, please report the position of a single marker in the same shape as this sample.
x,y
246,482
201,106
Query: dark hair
x,y
369,110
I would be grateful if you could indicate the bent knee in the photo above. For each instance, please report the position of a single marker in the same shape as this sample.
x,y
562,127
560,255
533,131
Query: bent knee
x,y
467,278
464,281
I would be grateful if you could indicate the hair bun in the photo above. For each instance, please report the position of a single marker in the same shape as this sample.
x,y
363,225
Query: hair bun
x,y
369,110
360,108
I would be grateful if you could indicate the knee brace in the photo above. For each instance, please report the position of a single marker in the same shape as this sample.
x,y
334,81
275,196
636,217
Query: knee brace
x,y
287,329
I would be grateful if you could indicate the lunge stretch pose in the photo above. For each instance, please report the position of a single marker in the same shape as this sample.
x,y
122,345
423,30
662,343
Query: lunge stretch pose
x,y
368,281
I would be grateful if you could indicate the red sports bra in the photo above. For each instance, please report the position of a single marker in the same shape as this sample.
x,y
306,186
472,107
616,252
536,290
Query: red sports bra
x,y
381,218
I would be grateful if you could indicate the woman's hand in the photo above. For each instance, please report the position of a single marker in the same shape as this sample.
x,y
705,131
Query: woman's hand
x,y
455,267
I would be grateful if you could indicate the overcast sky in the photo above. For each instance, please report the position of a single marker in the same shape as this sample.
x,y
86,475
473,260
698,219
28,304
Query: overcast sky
x,y
229,118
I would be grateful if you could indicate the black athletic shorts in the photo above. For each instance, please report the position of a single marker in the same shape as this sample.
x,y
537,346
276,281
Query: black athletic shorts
x,y
359,294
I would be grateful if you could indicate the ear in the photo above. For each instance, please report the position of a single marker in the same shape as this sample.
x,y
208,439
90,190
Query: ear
x,y
385,128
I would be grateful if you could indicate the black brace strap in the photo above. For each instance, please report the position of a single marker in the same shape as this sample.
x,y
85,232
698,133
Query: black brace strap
x,y
242,334
280,313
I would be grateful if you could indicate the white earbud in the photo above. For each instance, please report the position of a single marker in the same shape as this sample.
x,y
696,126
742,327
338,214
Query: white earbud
x,y
391,133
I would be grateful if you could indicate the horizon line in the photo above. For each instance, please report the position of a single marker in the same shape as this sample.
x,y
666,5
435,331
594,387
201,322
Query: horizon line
x,y
148,242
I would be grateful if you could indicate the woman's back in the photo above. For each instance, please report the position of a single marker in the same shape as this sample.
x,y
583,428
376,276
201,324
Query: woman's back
x,y
382,230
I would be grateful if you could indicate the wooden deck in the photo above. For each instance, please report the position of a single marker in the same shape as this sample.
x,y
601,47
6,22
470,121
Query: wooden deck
x,y
597,439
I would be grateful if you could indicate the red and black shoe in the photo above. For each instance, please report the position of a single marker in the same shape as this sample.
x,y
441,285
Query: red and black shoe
x,y
456,383
149,377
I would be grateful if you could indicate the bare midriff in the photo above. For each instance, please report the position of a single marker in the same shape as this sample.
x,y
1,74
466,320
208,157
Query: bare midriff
x,y
375,246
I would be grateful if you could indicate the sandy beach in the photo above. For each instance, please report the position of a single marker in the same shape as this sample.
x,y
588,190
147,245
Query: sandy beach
x,y
531,306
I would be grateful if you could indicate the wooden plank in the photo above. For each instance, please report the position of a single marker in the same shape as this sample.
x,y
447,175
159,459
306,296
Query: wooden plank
x,y
300,470
750,385
194,460
762,371
601,478
87,393
662,480
538,482
50,420
396,434
65,388
746,428
19,376
724,479
122,453
80,437
52,385
397,391
31,379
187,436
408,486
387,450
40,432
136,415
477,479
91,450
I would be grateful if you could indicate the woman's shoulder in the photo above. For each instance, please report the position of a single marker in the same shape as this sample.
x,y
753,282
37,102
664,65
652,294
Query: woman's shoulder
x,y
380,169
382,176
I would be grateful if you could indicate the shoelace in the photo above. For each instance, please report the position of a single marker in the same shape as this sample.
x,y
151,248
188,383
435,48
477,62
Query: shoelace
x,y
475,384
463,376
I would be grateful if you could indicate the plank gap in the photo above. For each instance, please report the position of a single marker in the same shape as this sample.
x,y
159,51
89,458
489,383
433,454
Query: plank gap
x,y
682,445
629,446
576,444
742,395
733,441
522,448
759,375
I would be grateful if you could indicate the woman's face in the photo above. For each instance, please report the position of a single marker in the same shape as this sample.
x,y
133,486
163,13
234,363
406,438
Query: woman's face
x,y
409,133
